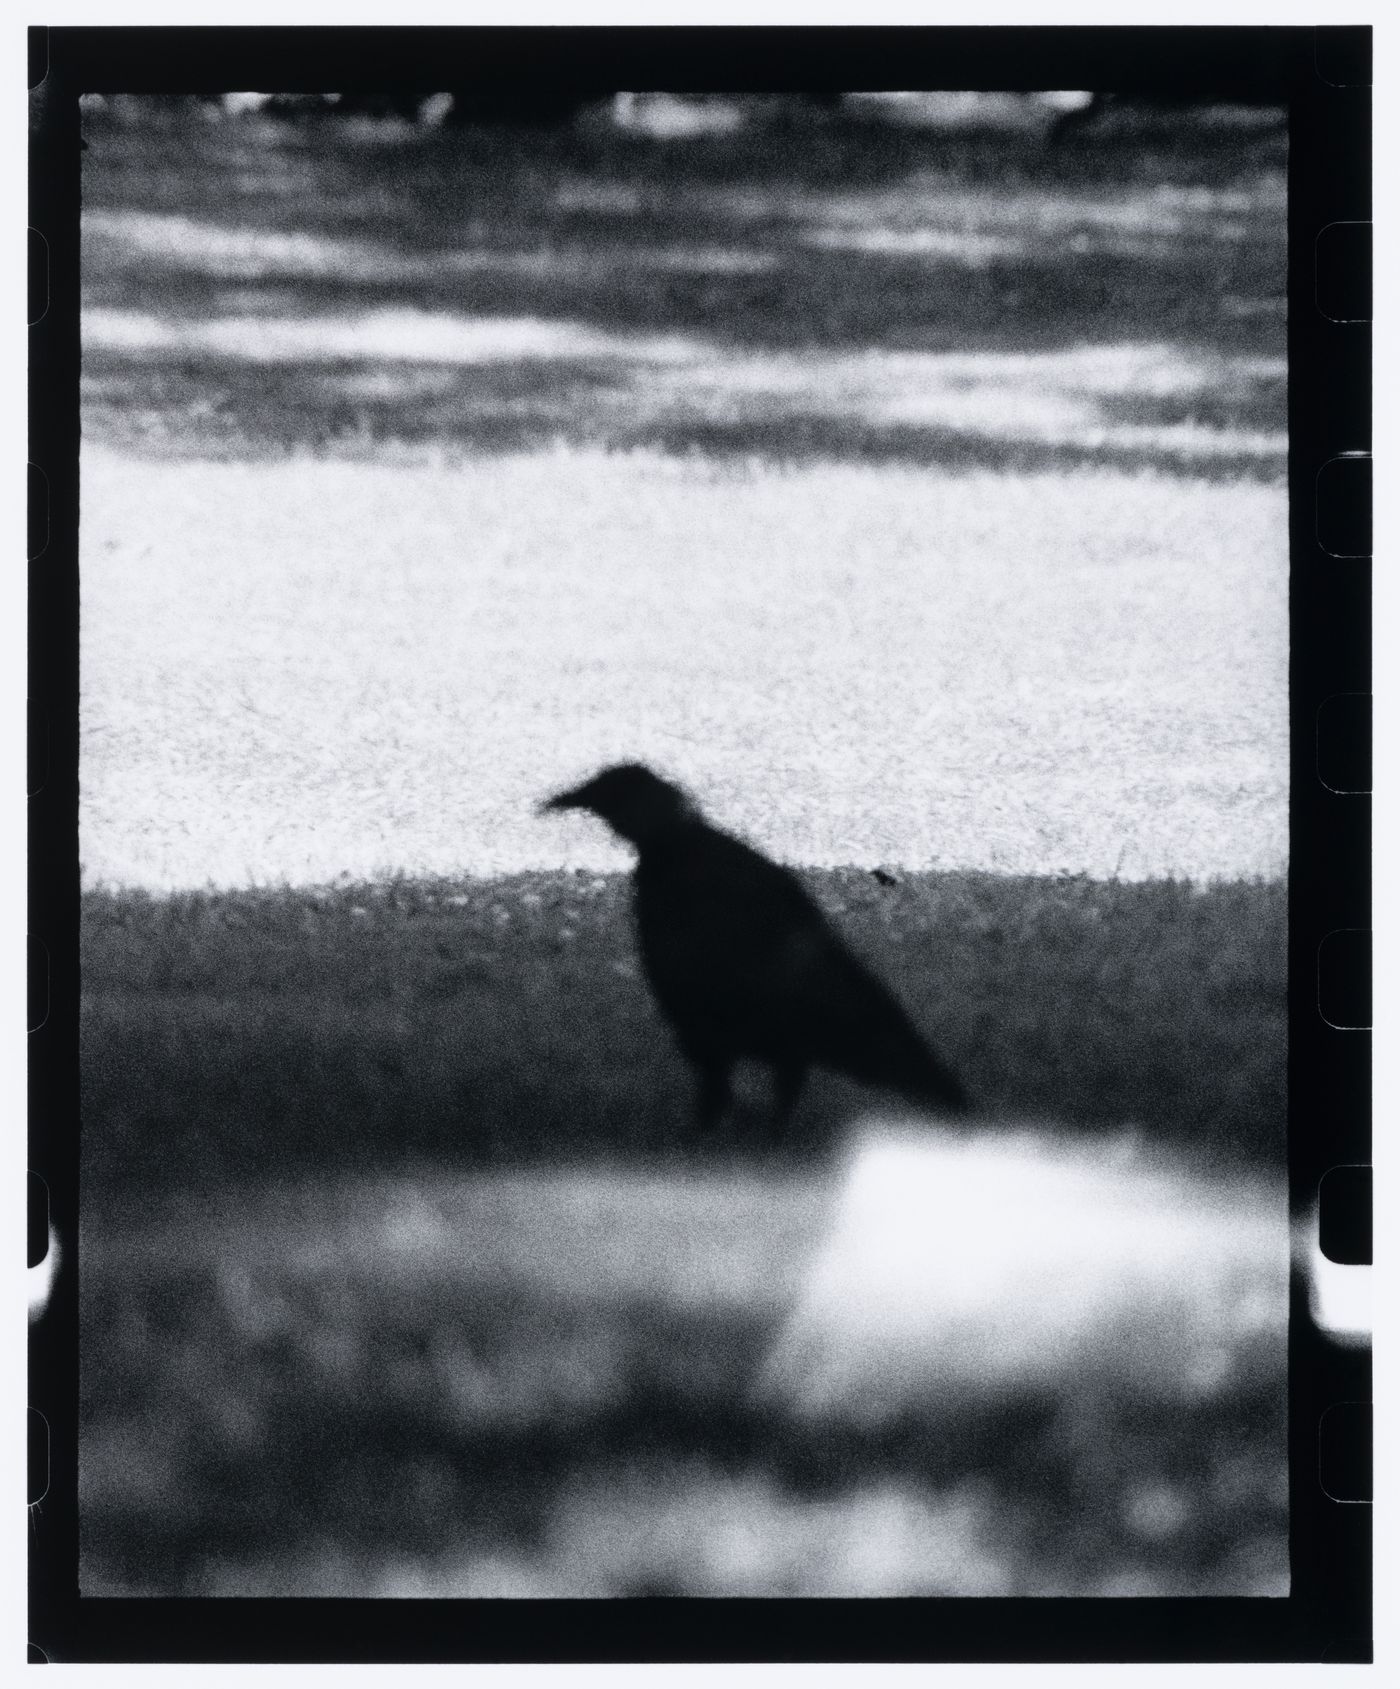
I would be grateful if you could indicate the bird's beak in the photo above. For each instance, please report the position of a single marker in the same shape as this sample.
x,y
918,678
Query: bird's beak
x,y
562,800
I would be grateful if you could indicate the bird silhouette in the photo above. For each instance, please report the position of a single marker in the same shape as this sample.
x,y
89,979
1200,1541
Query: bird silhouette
x,y
743,964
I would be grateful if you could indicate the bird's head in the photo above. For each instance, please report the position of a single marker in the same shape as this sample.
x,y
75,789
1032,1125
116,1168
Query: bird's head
x,y
638,805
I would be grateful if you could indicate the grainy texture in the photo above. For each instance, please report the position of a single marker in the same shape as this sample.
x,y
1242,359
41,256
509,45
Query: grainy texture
x,y
917,499
225,1035
546,1384
830,288
295,670
912,496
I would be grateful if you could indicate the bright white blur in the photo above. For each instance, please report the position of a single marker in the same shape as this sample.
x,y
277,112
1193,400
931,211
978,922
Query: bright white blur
x,y
1339,1295
962,1265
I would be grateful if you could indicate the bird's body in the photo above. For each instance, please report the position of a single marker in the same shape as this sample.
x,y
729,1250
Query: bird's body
x,y
743,963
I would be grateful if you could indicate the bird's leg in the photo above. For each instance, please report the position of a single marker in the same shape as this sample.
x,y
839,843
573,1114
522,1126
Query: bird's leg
x,y
713,1096
788,1080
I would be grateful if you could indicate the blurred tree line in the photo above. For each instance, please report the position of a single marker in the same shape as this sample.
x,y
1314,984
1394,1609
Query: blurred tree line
x,y
1061,115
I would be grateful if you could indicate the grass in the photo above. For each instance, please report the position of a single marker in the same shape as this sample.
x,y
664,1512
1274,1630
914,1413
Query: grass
x,y
825,239
854,432
534,1384
499,1022
401,1273
297,669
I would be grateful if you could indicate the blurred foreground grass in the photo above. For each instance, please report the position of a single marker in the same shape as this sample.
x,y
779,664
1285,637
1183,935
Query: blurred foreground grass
x,y
229,1035
328,1350
533,1384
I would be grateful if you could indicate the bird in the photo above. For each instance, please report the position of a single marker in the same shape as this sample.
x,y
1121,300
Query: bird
x,y
744,964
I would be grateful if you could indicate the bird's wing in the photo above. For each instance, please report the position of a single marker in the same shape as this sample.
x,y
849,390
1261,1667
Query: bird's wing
x,y
735,944
715,921
744,961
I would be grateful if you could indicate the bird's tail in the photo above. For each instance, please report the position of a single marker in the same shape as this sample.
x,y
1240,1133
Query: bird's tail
x,y
925,1080
902,1062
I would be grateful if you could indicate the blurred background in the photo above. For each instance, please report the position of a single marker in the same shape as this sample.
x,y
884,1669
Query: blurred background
x,y
905,474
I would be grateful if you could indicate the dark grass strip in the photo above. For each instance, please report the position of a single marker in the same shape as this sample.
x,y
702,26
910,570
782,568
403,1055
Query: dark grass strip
x,y
227,1036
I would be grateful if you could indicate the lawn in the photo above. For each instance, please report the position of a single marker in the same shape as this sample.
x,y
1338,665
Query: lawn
x,y
253,287
297,670
403,1273
918,501
227,1035
535,1384
915,497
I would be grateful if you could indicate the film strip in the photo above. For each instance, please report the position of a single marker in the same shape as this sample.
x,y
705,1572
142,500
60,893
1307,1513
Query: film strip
x,y
1330,886
1323,76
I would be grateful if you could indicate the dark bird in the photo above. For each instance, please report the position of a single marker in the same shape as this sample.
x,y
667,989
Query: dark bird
x,y
745,965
